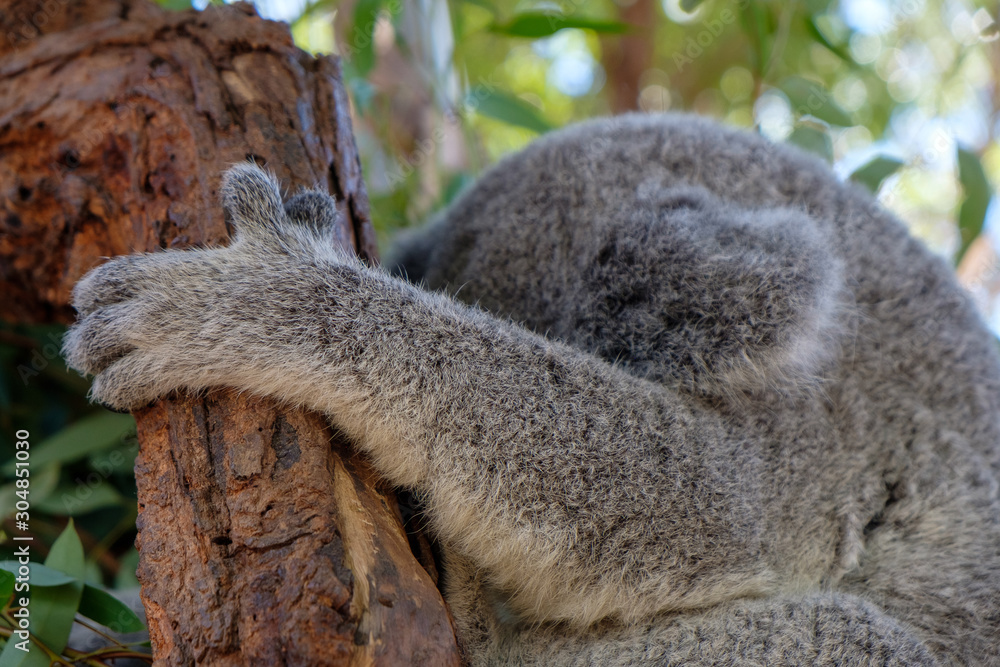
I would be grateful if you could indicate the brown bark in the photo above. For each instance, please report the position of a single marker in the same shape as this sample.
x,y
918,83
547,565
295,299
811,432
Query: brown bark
x,y
259,543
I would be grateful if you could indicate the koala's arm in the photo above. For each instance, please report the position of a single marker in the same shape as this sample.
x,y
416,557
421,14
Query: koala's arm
x,y
584,491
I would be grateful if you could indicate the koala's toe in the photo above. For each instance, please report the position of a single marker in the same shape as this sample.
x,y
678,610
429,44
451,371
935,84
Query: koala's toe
x,y
127,384
252,198
314,210
100,338
112,282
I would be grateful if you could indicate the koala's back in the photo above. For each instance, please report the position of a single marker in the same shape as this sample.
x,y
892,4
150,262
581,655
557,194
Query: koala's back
x,y
744,274
530,240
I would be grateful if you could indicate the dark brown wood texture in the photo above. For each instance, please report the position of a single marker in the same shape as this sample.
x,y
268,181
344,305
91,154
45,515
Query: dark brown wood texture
x,y
259,543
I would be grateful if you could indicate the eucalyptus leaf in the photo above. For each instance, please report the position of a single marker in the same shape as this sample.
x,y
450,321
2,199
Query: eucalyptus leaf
x,y
361,40
542,24
872,173
507,108
80,499
809,98
757,27
817,33
109,611
39,575
53,609
813,140
978,193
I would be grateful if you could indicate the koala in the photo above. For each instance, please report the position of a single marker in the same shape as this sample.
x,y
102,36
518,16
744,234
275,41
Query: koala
x,y
669,394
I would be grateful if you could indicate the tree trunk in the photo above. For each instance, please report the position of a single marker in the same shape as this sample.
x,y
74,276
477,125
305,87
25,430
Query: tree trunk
x,y
259,542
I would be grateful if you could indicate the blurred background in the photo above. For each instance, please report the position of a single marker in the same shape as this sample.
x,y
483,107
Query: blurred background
x,y
899,95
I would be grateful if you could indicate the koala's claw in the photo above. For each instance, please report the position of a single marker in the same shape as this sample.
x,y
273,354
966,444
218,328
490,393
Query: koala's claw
x,y
99,339
128,383
110,283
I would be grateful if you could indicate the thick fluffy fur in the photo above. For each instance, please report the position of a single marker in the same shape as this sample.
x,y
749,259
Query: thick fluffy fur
x,y
710,406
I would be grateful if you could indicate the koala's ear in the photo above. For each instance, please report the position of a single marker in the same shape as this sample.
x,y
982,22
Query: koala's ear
x,y
314,210
252,198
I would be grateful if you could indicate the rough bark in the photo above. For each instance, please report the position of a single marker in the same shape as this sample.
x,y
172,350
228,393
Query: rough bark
x,y
259,543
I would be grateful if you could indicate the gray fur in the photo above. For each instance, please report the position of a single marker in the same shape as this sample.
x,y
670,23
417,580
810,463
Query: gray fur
x,y
711,407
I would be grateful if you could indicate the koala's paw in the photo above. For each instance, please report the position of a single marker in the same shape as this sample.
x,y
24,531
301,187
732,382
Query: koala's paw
x,y
134,320
151,324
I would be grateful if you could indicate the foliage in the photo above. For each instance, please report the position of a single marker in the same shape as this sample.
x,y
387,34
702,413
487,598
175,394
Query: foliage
x,y
79,466
895,90
48,597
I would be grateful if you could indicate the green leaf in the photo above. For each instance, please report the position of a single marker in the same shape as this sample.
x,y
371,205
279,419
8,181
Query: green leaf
x,y
39,576
756,22
507,108
542,24
6,586
978,193
53,609
77,440
811,99
872,173
813,140
109,611
361,40
80,499
817,33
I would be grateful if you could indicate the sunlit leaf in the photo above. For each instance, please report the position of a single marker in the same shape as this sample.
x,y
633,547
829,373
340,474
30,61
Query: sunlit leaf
x,y
109,611
360,45
88,435
977,199
541,24
811,99
813,29
757,25
872,173
813,140
507,108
